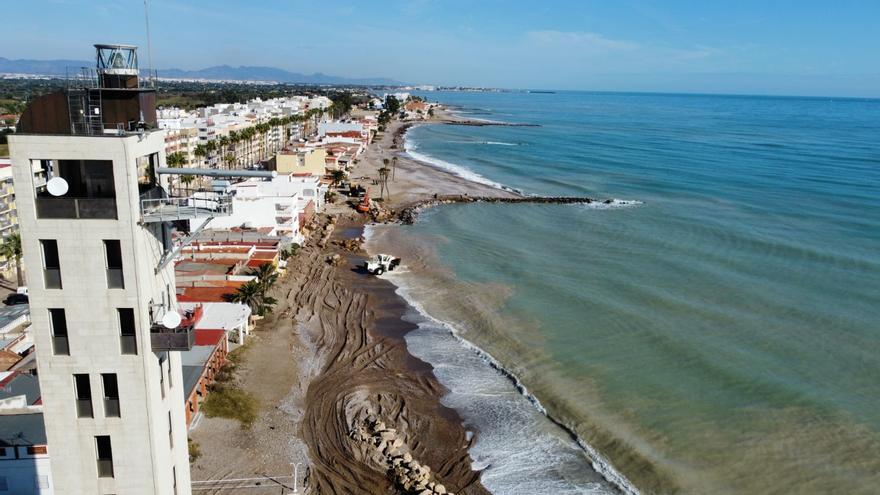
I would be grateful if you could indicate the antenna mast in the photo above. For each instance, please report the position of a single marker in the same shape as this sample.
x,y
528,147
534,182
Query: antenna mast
x,y
149,44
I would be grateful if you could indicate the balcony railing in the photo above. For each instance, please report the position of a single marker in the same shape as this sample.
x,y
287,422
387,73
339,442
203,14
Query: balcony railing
x,y
82,208
115,279
52,278
128,343
181,338
111,407
84,408
199,204
105,468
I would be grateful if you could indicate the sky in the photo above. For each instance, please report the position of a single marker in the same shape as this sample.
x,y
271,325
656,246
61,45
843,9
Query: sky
x,y
807,47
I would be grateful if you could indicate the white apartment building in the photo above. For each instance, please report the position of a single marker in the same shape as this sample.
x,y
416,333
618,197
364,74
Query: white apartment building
x,y
99,285
282,204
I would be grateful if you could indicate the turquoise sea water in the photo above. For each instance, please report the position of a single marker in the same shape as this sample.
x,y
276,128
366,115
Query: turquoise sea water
x,y
721,337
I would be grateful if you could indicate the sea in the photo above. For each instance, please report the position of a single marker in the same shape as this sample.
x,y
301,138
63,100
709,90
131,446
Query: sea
x,y
716,329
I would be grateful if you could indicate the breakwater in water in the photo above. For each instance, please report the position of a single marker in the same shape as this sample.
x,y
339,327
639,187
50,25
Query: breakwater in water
x,y
409,214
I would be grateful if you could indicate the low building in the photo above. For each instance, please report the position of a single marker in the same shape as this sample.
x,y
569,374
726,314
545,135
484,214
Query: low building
x,y
300,161
233,319
200,367
24,455
276,205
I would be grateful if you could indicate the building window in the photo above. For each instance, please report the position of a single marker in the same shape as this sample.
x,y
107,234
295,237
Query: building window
x,y
4,484
113,255
37,450
111,395
170,431
127,333
51,264
105,456
58,324
91,192
162,374
174,478
83,391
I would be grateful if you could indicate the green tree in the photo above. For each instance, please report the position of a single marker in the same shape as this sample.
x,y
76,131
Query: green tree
x,y
252,294
392,104
337,176
11,250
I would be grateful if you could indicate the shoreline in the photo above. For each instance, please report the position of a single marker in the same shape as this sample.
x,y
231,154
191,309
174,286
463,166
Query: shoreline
x,y
598,462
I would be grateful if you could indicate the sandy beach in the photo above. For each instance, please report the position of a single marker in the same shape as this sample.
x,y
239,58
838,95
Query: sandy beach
x,y
330,364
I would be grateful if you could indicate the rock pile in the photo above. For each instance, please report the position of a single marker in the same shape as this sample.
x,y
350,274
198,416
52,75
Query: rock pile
x,y
409,214
334,260
389,449
353,245
328,231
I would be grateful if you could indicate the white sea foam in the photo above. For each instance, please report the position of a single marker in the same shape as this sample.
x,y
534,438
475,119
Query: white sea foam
x,y
615,203
530,458
411,149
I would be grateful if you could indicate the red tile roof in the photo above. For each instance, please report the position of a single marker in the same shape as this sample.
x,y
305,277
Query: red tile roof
x,y
209,337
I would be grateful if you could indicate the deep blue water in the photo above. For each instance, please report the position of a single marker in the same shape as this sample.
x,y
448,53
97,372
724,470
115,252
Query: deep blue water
x,y
724,335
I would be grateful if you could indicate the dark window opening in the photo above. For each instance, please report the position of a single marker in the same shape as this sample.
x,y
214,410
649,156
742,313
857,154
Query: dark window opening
x,y
58,324
127,333
83,396
105,456
111,395
113,253
91,192
51,264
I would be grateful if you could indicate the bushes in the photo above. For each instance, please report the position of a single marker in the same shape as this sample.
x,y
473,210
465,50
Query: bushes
x,y
228,401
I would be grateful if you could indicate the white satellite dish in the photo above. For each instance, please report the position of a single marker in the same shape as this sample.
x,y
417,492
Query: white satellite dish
x,y
171,319
274,174
57,186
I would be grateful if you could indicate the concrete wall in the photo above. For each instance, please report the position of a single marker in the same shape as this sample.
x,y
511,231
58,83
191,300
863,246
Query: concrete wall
x,y
143,457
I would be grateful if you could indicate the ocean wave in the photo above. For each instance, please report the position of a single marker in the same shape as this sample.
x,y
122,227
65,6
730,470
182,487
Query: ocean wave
x,y
411,149
615,203
599,463
490,143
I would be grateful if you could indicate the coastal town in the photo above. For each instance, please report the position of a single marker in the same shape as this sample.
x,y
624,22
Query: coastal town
x,y
196,274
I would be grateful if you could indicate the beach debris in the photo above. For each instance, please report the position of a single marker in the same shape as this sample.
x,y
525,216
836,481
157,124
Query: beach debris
x,y
390,451
353,245
334,260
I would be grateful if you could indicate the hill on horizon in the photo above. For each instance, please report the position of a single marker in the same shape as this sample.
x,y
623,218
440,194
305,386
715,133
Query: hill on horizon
x,y
216,73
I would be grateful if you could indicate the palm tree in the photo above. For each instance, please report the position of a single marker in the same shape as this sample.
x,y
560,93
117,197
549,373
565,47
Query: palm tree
x,y
266,276
250,293
229,159
383,178
393,167
337,176
200,151
11,250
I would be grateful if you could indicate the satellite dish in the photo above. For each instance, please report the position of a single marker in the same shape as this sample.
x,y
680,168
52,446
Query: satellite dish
x,y
171,319
274,174
57,186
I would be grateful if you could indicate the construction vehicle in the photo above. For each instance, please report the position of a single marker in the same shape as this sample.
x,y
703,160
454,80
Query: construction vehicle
x,y
364,206
381,263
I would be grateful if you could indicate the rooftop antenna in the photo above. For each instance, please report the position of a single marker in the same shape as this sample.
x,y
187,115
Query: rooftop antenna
x,y
149,45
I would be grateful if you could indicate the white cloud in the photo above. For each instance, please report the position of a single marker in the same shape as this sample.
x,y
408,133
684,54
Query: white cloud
x,y
593,42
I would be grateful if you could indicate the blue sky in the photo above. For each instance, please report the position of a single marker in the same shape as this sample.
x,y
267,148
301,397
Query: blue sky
x,y
756,47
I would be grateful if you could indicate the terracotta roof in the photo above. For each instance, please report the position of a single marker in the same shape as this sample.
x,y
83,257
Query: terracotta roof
x,y
8,359
205,294
209,337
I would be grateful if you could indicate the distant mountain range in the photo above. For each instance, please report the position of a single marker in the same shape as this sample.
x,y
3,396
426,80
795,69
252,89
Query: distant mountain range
x,y
219,72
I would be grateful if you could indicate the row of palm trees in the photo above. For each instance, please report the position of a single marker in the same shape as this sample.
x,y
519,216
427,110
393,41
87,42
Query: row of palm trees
x,y
226,146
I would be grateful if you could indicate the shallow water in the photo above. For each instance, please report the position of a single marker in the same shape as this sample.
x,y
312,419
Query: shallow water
x,y
721,337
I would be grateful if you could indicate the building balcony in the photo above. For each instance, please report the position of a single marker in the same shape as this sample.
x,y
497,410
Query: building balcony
x,y
82,208
181,338
188,205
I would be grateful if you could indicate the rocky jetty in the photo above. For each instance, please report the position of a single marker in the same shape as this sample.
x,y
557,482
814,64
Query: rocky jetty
x,y
409,214
387,448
